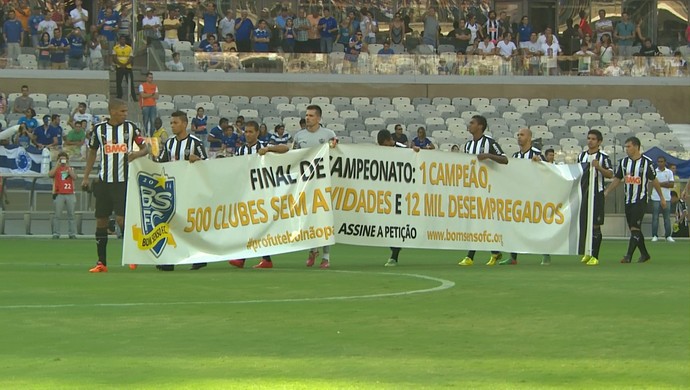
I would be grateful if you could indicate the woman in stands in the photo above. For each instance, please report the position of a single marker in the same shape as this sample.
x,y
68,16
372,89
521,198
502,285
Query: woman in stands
x,y
44,51
29,119
397,31
605,50
421,141
23,137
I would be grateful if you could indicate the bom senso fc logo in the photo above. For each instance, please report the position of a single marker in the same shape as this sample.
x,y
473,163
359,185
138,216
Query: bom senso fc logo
x,y
157,196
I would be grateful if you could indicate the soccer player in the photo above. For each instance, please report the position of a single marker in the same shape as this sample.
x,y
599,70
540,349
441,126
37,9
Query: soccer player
x,y
182,146
595,158
254,146
115,140
385,138
527,151
315,135
486,149
635,171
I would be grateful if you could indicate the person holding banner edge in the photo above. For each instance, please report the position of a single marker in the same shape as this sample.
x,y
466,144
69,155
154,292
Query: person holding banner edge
x,y
595,158
486,148
315,135
182,146
115,140
635,171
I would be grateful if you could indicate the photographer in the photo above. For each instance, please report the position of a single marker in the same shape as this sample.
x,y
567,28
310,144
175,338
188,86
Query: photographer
x,y
63,194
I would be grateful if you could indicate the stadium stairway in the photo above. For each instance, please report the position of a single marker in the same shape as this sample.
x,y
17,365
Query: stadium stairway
x,y
682,132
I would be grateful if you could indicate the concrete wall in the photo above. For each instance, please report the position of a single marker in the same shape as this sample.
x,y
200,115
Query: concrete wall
x,y
55,81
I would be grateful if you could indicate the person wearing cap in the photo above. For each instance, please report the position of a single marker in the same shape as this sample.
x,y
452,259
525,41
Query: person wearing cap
x,y
151,25
210,16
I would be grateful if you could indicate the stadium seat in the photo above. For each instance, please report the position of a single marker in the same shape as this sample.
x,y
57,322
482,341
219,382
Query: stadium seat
x,y
620,103
439,100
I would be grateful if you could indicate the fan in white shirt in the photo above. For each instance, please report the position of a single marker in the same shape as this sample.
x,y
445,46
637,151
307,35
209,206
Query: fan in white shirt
x,y
506,48
486,47
613,69
79,16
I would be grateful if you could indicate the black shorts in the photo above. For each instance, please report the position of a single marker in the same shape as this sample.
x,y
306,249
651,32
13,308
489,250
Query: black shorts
x,y
634,212
109,197
598,214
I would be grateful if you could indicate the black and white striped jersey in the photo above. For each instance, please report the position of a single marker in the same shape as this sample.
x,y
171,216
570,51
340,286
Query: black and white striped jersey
x,y
253,149
529,154
179,149
114,143
485,144
635,174
604,161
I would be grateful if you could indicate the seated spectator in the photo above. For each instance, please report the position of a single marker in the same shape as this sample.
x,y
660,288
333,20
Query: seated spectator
x,y
455,148
215,58
386,49
29,119
442,67
486,47
639,68
44,135
421,141
584,57
74,140
55,129
264,135
208,42
175,65
679,66
217,134
400,137
613,69
23,137
79,114
228,44
648,49
23,102
280,136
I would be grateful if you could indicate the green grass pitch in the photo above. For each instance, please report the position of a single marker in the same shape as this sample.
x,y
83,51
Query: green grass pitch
x,y
615,326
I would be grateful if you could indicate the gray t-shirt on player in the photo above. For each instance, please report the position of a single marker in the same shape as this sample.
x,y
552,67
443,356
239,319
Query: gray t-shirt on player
x,y
307,139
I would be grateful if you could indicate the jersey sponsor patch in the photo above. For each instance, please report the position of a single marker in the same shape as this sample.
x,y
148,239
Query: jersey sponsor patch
x,y
115,148
633,180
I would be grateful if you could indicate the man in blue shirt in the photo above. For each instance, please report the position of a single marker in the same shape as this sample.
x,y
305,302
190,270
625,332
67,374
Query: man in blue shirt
x,y
328,27
243,32
108,24
76,50
34,20
12,31
58,48
524,32
261,37
210,20
625,35
45,135
55,130
217,135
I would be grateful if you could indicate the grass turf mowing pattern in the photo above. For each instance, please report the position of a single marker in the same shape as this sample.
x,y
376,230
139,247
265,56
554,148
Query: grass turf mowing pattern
x,y
526,326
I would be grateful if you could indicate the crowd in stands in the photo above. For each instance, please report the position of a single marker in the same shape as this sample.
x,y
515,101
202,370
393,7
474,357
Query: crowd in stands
x,y
485,40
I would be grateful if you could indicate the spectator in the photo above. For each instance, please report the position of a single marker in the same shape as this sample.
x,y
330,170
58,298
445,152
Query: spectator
x,y
679,66
47,25
329,28
347,29
585,57
680,227
44,51
639,68
148,95
314,34
217,135
396,31
486,47
587,40
472,25
400,137
280,137
75,138
23,14
281,20
206,45
551,50
171,26
175,65
264,135
79,114
24,137
547,32
63,195
186,31
421,141
525,31
210,17
56,130
34,20
613,69
352,51
59,46
570,39
159,134
288,36
227,24
199,123
96,44
109,25
43,135
604,26
532,55
301,25
123,58
665,177
261,37
492,28
79,16
431,28
648,49
228,44
506,48
230,141
243,32
23,102
151,25
386,50
585,28
625,35
12,31
76,50
58,15
639,37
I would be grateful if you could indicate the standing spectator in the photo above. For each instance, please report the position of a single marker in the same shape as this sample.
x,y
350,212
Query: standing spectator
x,y
551,50
570,39
302,30
186,31
605,50
217,135
175,65
199,124
243,32
210,17
151,25
352,51
170,26
148,95
63,195
227,24
585,28
12,31
474,28
665,177
44,51
79,16
96,44
23,102
79,114
431,28
525,31
76,50
625,35
680,227
122,58
47,25
58,15
492,28
281,20
111,187
59,47
329,28
228,44
35,19
288,37
532,53
315,135
261,37
264,135
23,14
109,25
604,26
635,171
347,29
314,33
396,31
